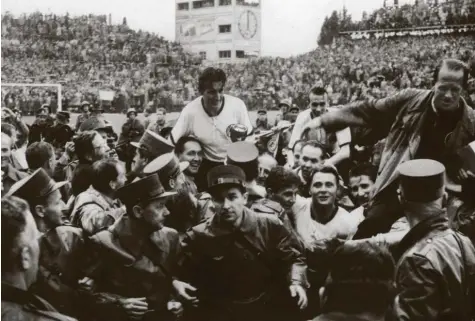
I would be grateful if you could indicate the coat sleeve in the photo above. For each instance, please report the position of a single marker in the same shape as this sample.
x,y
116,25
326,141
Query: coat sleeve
x,y
421,290
92,218
290,253
377,114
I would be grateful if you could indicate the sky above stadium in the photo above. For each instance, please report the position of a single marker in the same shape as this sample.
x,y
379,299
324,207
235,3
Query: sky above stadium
x,y
289,27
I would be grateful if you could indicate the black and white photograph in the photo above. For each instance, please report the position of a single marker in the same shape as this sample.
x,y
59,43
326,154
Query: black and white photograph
x,y
238,160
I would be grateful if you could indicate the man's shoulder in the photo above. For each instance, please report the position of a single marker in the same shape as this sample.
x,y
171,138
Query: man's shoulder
x,y
266,206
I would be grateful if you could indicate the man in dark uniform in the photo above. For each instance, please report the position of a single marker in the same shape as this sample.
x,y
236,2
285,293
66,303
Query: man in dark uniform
x,y
237,257
84,115
149,147
136,258
185,209
21,252
41,128
132,130
435,275
61,132
245,155
262,123
62,249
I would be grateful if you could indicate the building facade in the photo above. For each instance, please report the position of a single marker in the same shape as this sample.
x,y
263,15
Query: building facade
x,y
220,30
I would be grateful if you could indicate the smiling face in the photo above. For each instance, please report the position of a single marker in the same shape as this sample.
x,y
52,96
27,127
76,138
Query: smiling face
x,y
213,96
324,189
448,89
286,196
192,153
361,188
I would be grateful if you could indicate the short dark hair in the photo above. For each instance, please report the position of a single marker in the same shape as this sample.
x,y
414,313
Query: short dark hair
x,y
355,268
320,91
150,110
180,144
104,171
329,169
364,169
162,109
300,141
280,178
83,144
317,144
210,75
8,129
38,154
455,65
14,212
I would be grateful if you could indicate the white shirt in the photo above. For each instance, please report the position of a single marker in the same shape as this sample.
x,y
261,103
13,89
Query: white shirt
x,y
310,231
211,131
343,136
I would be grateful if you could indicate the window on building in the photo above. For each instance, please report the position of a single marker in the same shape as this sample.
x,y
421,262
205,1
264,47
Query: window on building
x,y
224,28
225,2
225,54
203,4
251,3
184,6
240,54
203,55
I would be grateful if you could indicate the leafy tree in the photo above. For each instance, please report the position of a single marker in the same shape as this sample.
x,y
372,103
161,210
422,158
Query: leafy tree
x,y
329,30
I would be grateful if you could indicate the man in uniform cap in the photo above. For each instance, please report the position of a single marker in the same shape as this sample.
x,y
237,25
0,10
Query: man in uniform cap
x,y
21,251
284,106
84,114
434,274
61,132
132,131
245,155
232,259
149,147
185,209
61,246
262,123
136,258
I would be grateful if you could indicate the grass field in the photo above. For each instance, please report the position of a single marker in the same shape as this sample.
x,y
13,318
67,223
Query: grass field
x,y
118,119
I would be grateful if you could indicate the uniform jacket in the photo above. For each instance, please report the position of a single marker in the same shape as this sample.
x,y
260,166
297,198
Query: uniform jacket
x,y
18,304
239,266
399,117
59,135
93,212
266,206
435,271
132,131
131,266
62,264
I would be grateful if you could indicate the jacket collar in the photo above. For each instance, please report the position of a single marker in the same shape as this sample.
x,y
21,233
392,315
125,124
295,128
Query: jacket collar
x,y
436,222
127,238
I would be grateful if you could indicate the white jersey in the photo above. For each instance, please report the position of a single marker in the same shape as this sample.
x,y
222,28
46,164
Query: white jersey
x,y
211,131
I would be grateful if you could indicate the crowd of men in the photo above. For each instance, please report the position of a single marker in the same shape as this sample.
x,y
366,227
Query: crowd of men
x,y
361,212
